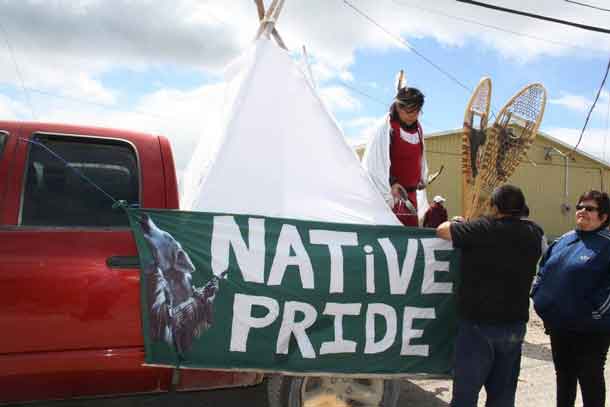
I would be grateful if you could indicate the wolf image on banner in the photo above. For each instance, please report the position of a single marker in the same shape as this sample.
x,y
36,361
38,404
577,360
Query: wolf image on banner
x,y
179,312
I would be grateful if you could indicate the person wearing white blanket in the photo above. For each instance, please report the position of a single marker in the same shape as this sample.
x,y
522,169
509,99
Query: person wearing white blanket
x,y
395,156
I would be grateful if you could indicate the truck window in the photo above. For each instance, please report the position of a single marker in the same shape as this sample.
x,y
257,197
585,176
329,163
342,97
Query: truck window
x,y
56,195
2,142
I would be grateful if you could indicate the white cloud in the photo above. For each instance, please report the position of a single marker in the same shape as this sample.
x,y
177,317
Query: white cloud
x,y
182,116
322,72
516,37
63,40
580,103
360,130
65,47
124,31
89,89
346,76
193,116
595,141
208,34
339,99
11,109
573,102
363,121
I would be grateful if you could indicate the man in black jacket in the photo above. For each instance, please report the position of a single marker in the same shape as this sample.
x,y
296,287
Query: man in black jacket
x,y
498,263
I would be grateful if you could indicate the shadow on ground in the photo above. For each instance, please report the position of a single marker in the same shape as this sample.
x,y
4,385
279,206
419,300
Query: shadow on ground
x,y
537,351
256,396
412,394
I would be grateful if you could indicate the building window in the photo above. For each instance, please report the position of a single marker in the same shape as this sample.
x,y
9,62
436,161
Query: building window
x,y
69,193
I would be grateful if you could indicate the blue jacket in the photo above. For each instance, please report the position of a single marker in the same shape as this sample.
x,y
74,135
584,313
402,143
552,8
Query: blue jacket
x,y
572,289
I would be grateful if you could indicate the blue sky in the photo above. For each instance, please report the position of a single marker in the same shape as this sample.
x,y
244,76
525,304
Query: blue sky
x,y
156,66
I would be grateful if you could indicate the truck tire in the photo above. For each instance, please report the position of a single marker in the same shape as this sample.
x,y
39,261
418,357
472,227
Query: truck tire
x,y
297,391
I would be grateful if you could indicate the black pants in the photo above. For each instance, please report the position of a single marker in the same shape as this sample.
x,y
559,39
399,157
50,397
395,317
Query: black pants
x,y
580,357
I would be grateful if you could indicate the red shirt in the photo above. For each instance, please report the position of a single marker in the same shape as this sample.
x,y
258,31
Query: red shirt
x,y
405,167
405,157
435,215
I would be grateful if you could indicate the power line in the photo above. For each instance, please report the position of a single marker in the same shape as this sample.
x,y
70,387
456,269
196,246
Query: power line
x,y
593,105
374,99
27,90
607,125
398,38
385,104
538,16
587,5
493,27
19,75
98,104
167,118
413,49
416,52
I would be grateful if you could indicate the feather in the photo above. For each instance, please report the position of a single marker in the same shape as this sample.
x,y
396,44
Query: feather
x,y
157,289
401,80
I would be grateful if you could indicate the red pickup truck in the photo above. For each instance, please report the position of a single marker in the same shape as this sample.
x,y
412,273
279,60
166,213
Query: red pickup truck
x,y
69,279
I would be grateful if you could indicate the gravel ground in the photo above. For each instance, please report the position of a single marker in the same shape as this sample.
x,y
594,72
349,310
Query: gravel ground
x,y
536,386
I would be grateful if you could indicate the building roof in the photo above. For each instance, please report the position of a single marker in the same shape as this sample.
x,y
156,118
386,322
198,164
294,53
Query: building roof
x,y
569,147
540,133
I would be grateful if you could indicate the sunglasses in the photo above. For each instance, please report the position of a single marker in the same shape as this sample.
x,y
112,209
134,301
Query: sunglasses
x,y
587,208
407,108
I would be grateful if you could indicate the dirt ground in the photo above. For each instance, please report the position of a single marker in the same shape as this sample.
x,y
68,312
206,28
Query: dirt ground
x,y
536,386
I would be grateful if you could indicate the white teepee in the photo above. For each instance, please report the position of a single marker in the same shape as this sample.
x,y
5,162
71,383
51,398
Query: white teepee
x,y
280,152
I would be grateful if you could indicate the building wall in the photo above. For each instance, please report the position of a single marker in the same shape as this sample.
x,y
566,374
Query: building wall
x,y
547,190
446,151
542,178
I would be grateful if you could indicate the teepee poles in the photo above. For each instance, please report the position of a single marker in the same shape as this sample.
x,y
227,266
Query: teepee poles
x,y
309,71
268,19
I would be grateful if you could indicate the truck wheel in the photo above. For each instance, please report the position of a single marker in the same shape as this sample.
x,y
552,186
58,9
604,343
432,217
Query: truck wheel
x,y
296,391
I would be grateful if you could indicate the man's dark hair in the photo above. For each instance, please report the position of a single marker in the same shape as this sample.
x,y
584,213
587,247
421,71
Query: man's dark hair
x,y
407,98
509,200
602,201
526,211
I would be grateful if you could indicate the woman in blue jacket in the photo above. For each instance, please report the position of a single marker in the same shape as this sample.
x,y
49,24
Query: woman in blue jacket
x,y
572,296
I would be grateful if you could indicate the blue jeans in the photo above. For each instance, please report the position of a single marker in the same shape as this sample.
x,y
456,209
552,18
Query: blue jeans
x,y
487,355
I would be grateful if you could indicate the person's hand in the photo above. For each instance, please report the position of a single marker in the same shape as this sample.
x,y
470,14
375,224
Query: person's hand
x,y
395,189
398,193
457,219
421,185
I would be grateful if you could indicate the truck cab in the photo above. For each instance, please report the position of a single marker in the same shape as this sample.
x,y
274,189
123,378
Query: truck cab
x,y
69,274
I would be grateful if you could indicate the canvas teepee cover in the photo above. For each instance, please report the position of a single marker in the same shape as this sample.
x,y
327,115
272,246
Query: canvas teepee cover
x,y
280,152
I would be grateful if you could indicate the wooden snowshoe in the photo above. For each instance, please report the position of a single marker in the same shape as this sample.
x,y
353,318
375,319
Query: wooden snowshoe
x,y
473,138
507,142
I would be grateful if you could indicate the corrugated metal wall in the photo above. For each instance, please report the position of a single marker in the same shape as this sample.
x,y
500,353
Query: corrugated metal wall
x,y
541,176
446,150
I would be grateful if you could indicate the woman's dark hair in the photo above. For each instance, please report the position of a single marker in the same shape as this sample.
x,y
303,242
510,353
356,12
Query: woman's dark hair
x,y
602,201
409,98
509,200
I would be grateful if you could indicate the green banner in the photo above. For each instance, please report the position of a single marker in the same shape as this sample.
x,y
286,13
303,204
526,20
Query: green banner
x,y
238,292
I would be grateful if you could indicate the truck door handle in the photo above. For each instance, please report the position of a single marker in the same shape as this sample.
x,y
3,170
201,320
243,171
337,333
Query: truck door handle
x,y
123,262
